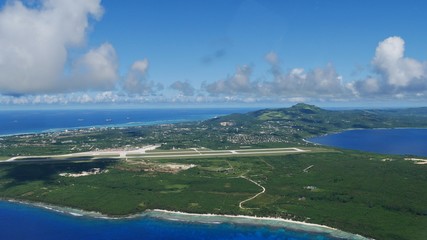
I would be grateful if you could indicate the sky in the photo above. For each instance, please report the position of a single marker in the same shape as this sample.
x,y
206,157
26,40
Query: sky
x,y
213,52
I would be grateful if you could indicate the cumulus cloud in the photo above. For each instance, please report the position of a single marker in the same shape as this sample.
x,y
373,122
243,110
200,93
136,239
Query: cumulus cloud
x,y
392,76
185,88
96,70
319,82
368,86
35,42
390,61
295,83
395,74
137,82
238,83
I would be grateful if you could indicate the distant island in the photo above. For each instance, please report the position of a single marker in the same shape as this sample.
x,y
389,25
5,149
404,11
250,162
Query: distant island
x,y
253,164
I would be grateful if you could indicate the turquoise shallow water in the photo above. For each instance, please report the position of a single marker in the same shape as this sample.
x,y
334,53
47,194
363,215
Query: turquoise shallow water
x,y
403,141
29,121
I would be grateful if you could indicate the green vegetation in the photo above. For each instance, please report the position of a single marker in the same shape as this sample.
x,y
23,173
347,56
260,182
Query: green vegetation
x,y
352,191
285,127
272,115
373,195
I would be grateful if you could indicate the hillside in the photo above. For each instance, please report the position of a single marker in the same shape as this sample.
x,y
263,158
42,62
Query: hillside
x,y
303,120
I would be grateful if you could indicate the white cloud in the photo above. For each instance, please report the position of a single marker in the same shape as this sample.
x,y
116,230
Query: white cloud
x,y
34,45
80,98
137,82
296,83
318,82
238,83
396,75
185,88
390,61
368,86
96,70
140,66
108,96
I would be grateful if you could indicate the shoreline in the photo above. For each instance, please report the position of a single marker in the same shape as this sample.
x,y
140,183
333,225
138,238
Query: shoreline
x,y
205,218
98,126
253,220
138,123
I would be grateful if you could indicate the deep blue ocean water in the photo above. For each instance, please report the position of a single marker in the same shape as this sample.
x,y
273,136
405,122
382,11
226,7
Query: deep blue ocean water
x,y
20,221
388,141
30,121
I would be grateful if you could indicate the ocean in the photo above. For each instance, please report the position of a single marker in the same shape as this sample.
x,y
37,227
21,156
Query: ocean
x,y
402,141
22,221
35,121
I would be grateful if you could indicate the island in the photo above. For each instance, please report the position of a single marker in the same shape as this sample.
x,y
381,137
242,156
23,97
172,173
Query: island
x,y
254,164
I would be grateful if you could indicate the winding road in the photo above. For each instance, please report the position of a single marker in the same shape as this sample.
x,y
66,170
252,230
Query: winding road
x,y
256,195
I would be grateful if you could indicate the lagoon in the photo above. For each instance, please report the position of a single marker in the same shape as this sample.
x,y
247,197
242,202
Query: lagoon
x,y
401,141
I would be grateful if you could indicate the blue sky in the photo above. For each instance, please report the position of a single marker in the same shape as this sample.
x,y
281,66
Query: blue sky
x,y
241,52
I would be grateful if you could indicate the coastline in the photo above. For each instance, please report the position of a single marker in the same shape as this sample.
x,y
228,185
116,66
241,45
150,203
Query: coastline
x,y
206,218
118,125
252,220
193,114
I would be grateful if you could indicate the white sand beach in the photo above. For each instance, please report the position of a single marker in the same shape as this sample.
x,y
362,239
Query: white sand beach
x,y
252,220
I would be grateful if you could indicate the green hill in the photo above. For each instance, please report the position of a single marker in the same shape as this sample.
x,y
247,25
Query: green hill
x,y
303,120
